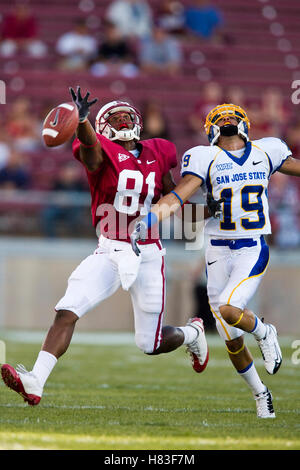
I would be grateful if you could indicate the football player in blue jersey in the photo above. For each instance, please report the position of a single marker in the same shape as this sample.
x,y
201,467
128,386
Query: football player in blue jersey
x,y
237,170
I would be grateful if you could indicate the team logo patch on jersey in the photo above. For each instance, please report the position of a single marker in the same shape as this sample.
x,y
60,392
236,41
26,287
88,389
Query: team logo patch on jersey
x,y
122,157
224,166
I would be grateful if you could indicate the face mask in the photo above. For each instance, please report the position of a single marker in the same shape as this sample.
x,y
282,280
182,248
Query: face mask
x,y
229,130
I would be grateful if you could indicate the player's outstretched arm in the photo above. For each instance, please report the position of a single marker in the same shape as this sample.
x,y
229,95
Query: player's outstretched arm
x,y
169,204
165,207
90,148
212,209
291,167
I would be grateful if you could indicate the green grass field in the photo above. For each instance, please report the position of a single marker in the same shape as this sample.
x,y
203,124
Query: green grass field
x,y
114,397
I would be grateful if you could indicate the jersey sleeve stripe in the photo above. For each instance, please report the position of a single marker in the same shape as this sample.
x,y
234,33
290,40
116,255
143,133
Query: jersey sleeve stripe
x,y
192,173
278,168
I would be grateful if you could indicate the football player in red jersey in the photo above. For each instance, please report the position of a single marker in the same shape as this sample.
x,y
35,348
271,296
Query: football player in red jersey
x,y
125,176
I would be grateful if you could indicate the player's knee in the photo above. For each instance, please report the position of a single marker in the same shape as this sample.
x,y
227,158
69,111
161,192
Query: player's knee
x,y
144,342
229,313
65,317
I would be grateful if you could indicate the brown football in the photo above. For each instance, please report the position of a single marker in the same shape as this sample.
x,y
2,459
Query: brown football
x,y
60,124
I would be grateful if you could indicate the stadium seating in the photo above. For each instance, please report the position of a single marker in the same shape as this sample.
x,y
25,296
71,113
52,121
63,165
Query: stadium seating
x,y
253,58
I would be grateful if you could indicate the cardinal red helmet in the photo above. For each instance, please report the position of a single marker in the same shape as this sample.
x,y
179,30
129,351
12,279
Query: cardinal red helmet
x,y
105,128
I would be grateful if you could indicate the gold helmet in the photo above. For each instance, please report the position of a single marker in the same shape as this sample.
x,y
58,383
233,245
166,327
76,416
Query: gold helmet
x,y
226,110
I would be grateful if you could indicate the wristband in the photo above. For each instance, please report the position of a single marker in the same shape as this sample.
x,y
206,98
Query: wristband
x,y
178,197
185,203
150,219
89,146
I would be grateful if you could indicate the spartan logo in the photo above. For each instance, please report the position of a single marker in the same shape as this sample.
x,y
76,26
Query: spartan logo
x,y
2,92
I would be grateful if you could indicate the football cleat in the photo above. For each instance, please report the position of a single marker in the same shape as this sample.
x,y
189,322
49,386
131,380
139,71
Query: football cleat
x,y
22,382
264,405
270,350
198,349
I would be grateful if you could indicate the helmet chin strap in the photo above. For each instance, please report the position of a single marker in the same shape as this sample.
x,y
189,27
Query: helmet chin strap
x,y
228,131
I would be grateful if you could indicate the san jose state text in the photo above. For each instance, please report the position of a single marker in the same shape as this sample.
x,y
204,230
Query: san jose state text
x,y
253,175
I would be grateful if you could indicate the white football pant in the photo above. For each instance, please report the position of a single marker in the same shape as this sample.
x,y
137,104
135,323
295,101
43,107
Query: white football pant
x,y
233,275
102,273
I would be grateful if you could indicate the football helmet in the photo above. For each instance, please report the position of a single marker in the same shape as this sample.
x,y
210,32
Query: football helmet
x,y
105,128
226,110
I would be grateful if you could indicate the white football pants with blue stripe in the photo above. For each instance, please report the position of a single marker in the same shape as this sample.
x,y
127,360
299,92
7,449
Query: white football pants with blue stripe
x,y
234,270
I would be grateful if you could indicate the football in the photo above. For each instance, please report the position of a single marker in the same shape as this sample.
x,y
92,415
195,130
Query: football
x,y
60,124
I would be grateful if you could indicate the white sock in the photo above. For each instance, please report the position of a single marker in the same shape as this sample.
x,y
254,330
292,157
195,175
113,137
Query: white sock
x,y
190,334
259,331
43,366
252,379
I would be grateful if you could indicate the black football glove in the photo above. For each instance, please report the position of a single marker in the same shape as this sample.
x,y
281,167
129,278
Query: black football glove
x,y
82,103
214,206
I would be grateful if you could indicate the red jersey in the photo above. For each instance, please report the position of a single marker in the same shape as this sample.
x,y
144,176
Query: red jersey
x,y
125,187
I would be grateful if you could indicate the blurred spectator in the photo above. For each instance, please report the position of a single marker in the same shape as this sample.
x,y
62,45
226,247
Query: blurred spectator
x,y
23,126
77,47
132,17
274,111
4,147
257,123
269,116
170,17
203,19
14,175
114,55
236,95
284,211
211,96
68,180
160,53
154,121
19,32
292,136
